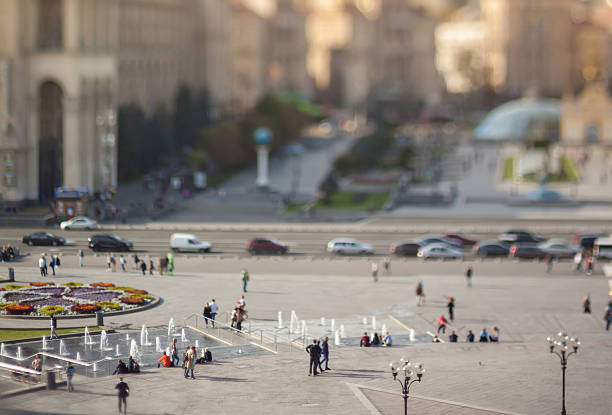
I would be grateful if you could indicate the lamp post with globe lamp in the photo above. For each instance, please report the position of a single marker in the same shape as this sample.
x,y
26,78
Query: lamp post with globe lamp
x,y
408,371
561,343
262,137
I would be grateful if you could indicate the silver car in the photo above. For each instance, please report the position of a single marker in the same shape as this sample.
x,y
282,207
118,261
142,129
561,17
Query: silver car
x,y
439,251
559,248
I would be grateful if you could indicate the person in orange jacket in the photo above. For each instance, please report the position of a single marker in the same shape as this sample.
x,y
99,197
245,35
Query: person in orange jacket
x,y
164,361
442,322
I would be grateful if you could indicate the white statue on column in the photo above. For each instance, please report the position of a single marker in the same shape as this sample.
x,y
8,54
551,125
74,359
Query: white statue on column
x,y
262,137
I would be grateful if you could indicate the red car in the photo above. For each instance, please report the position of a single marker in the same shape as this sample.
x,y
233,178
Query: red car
x,y
266,246
461,238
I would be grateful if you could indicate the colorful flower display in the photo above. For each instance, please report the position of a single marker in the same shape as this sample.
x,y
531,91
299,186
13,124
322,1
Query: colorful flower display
x,y
45,299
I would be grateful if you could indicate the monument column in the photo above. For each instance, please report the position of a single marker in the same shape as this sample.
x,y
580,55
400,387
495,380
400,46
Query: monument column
x,y
262,137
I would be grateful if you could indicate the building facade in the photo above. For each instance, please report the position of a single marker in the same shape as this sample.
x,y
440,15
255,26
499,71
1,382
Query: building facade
x,y
587,117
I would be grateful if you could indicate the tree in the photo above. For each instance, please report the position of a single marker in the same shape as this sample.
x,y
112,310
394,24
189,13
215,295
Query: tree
x,y
329,187
184,120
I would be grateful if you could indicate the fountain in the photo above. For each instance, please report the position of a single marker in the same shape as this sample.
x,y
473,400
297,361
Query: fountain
x,y
127,337
239,351
183,338
117,350
19,353
373,322
197,343
78,356
158,347
45,345
365,321
337,341
167,351
412,336
2,350
333,325
384,329
104,341
171,327
280,320
63,350
303,327
342,333
142,335
134,351
88,339
322,321
293,322
95,367
202,352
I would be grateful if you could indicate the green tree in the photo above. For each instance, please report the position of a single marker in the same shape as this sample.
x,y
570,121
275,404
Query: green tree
x,y
184,120
329,187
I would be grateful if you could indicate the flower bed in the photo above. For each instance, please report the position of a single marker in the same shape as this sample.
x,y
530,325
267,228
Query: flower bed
x,y
41,284
45,299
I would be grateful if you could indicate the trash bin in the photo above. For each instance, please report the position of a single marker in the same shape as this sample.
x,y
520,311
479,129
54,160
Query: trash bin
x,y
11,274
51,380
99,319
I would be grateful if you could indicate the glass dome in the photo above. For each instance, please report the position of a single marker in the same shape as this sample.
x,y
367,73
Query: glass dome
x,y
520,119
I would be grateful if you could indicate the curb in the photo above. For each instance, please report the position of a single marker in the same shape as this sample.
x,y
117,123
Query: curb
x,y
61,336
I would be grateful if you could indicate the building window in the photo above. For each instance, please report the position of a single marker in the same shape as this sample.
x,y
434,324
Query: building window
x,y
50,24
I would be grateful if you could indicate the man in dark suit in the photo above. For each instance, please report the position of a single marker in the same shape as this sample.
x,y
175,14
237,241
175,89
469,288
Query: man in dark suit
x,y
314,351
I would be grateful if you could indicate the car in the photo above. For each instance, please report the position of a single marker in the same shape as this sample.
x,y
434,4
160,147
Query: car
x,y
519,236
491,249
108,243
461,238
43,238
602,249
187,242
587,240
559,248
347,246
266,246
526,251
79,222
441,251
436,239
405,248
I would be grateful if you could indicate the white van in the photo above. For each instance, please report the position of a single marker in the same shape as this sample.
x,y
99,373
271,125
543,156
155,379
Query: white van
x,y
602,248
188,243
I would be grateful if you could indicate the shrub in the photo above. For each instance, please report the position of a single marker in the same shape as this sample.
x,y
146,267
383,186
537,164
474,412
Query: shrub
x,y
51,309
119,288
145,296
72,284
41,284
108,305
102,284
84,308
11,287
19,309
133,300
3,306
135,291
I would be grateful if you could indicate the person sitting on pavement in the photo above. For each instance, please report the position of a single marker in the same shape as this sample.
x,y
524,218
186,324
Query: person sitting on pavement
x,y
164,361
494,337
452,337
484,336
387,341
375,340
435,339
207,355
365,340
132,366
121,368
470,337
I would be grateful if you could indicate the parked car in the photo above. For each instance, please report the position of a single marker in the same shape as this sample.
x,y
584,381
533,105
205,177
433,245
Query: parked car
x,y
405,248
108,243
440,251
186,242
587,240
602,249
266,246
461,238
43,238
345,246
79,222
436,239
491,249
559,249
526,251
519,236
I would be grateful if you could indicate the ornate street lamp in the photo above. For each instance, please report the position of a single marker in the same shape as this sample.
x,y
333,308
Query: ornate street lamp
x,y
561,343
407,370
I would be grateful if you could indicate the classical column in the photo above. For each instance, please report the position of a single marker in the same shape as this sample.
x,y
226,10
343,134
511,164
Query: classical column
x,y
72,146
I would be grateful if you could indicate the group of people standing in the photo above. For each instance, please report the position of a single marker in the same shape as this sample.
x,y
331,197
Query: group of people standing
x,y
190,358
319,354
53,262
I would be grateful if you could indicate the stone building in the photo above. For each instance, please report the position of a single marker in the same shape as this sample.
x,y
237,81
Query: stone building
x,y
587,117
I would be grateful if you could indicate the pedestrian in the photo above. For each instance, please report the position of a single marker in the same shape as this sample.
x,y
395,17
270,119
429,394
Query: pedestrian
x,y
108,262
174,353
325,354
206,313
245,280
160,266
41,265
81,255
586,304
52,264
151,267
143,267
53,327
452,337
45,264
314,351
470,337
420,294
123,392
375,271
387,265
58,262
589,264
578,261
365,340
608,315
136,262
185,357
468,275
484,336
190,362
494,337
442,322
170,263
549,263
69,374
241,315
122,262
214,308
451,308
113,262
37,363
242,302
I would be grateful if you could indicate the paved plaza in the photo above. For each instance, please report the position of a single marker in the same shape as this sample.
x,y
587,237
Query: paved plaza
x,y
518,375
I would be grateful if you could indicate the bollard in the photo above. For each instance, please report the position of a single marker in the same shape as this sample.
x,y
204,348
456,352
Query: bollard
x,y
51,380
99,319
11,274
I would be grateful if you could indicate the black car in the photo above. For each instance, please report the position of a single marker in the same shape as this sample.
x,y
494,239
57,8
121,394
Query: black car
x,y
43,238
109,243
527,251
405,248
491,249
518,236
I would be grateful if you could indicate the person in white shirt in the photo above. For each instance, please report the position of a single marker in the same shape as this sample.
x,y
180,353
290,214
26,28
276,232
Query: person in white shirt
x,y
42,264
387,341
375,271
214,308
242,302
